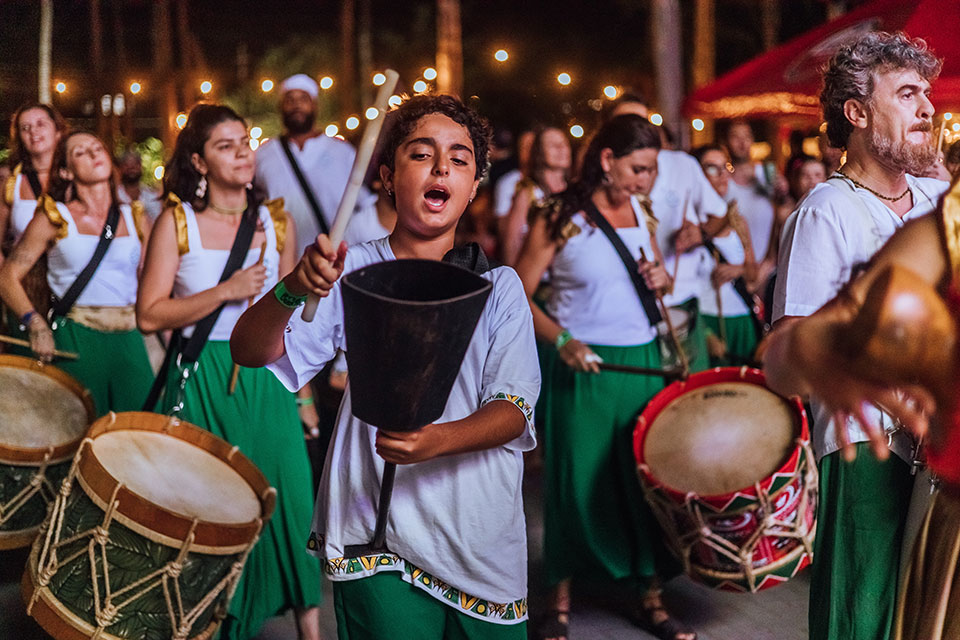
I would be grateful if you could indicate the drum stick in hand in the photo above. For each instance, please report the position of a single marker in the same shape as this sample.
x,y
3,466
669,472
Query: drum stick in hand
x,y
235,372
681,354
69,355
364,153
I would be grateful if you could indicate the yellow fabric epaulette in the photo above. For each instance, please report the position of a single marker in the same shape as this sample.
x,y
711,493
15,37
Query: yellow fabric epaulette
x,y
950,214
49,206
549,209
279,216
649,217
8,191
180,220
137,211
526,184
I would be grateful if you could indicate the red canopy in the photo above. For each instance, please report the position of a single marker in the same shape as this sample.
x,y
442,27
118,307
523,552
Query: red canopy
x,y
786,81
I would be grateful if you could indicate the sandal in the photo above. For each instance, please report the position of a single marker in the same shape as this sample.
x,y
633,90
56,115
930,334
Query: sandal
x,y
666,629
549,625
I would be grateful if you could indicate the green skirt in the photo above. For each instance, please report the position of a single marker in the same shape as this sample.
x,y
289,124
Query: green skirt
x,y
113,365
597,525
854,577
740,335
261,419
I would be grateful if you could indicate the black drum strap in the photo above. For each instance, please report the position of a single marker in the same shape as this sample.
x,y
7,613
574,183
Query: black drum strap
x,y
34,180
62,306
305,186
647,297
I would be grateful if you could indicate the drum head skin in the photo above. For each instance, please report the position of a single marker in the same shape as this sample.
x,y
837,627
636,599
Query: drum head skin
x,y
38,411
177,476
720,438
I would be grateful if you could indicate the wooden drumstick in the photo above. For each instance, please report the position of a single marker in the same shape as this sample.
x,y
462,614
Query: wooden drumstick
x,y
235,372
364,153
716,291
681,354
25,343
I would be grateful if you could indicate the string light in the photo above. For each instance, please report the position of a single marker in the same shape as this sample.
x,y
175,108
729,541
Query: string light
x,y
656,118
326,82
135,88
206,87
610,91
332,130
61,87
266,86
158,172
181,120
576,131
353,122
430,73
697,124
379,79
371,113
564,78
419,86
501,55
394,101
256,132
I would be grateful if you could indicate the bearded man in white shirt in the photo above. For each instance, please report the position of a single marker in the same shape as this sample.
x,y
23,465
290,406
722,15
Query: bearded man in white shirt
x,y
876,104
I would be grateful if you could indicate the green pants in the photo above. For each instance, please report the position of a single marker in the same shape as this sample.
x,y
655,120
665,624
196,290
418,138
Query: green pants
x,y
597,525
260,418
113,366
740,336
855,573
385,606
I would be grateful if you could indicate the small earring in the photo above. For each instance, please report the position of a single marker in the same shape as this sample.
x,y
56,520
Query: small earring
x,y
606,178
202,187
390,192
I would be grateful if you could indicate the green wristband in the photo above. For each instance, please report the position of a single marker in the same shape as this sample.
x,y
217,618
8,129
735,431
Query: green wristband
x,y
305,402
562,338
287,299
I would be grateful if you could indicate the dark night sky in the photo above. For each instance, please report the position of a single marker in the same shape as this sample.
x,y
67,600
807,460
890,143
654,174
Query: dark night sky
x,y
599,42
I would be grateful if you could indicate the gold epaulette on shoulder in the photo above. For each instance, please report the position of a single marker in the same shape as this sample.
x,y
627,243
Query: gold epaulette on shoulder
x,y
950,214
180,220
8,191
279,216
137,211
49,207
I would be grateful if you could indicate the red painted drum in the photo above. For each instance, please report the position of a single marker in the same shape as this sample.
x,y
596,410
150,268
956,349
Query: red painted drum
x,y
727,468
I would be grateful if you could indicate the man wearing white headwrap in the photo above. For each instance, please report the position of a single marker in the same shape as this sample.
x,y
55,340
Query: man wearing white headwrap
x,y
325,163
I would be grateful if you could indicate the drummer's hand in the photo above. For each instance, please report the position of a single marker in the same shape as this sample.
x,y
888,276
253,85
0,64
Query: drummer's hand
x,y
687,237
41,338
320,266
725,273
407,447
245,283
579,356
654,275
846,395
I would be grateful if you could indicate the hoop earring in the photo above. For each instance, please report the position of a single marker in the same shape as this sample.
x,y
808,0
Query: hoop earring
x,y
202,187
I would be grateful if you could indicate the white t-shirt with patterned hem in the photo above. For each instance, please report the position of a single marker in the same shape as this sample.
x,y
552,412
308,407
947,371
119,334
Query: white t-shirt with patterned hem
x,y
459,518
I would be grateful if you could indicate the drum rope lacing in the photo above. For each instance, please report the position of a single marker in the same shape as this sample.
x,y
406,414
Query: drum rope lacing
x,y
105,613
185,373
38,483
743,554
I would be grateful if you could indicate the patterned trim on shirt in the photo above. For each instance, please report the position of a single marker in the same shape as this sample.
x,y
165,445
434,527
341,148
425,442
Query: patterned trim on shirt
x,y
364,566
519,401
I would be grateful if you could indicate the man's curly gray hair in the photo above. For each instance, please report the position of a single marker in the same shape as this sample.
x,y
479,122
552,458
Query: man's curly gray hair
x,y
850,74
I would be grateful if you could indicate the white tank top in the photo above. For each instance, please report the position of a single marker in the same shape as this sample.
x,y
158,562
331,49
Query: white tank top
x,y
593,297
21,211
114,283
200,270
730,248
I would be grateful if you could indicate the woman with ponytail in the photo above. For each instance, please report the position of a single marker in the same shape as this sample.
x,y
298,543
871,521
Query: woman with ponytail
x,y
597,525
212,218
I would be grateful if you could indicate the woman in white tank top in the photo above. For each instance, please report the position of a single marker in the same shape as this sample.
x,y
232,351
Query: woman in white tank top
x,y
35,130
100,326
596,522
206,183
